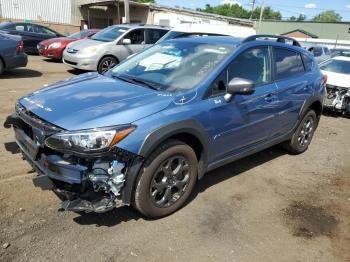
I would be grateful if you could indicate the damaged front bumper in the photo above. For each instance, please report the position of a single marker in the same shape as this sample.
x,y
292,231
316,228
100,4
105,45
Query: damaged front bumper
x,y
337,99
95,183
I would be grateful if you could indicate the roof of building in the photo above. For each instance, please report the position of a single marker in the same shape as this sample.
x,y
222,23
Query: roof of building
x,y
231,20
301,31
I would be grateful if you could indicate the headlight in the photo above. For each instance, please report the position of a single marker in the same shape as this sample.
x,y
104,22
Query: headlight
x,y
88,141
54,45
88,50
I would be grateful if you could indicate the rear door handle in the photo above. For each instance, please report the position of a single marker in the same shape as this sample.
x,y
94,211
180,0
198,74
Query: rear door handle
x,y
307,87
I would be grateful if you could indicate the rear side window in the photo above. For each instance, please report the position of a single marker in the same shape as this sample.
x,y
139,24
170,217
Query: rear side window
x,y
153,35
308,63
287,63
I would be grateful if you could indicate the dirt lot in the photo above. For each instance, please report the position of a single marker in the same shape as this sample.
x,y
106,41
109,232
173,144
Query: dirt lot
x,y
268,207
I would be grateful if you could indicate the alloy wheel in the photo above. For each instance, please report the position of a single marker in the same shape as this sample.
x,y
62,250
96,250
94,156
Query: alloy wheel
x,y
170,181
306,132
106,65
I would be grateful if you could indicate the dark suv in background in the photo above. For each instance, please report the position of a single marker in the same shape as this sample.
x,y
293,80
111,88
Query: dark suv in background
x,y
148,129
32,34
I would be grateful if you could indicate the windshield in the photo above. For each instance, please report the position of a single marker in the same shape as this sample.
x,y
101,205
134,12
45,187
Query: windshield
x,y
109,34
81,34
174,66
336,66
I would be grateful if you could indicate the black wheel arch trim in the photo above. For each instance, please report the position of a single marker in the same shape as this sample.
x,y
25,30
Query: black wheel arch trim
x,y
316,98
191,127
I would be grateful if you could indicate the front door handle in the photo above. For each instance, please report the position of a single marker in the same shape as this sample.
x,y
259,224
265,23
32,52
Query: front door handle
x,y
269,98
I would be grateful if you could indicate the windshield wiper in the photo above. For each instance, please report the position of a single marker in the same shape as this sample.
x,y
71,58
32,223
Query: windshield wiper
x,y
144,83
135,80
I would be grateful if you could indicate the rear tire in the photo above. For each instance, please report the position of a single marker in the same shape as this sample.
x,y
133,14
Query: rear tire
x,y
1,67
303,134
106,63
166,180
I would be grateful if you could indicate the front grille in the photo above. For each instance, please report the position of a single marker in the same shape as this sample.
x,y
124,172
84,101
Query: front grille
x,y
70,62
34,121
72,50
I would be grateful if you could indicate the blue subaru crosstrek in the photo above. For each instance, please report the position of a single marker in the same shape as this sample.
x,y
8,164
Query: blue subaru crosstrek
x,y
148,129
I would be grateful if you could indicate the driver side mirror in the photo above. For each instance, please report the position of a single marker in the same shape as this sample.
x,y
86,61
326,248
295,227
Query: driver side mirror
x,y
126,41
239,86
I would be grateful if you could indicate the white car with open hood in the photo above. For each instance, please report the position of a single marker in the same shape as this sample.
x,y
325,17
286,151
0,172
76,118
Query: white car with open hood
x,y
337,71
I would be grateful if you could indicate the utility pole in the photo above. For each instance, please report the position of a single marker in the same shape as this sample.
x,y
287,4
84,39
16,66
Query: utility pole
x,y
253,7
127,13
261,14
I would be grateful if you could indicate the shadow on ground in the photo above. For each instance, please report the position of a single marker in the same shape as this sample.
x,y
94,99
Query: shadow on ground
x,y
116,216
75,71
20,73
328,112
55,61
12,147
108,219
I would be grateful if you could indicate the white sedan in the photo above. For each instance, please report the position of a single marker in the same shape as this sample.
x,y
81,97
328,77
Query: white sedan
x,y
337,70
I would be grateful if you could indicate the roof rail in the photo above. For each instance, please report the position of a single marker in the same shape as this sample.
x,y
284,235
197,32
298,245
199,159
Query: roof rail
x,y
279,38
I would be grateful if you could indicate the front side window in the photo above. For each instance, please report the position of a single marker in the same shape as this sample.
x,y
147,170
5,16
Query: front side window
x,y
287,63
109,34
43,31
252,64
137,36
219,86
173,66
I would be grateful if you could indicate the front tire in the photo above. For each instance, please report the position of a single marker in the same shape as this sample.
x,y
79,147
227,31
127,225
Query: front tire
x,y
166,180
303,135
106,64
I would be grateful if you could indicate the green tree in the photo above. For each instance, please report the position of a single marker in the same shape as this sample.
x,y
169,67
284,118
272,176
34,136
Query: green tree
x,y
226,10
327,16
301,17
240,12
268,13
145,1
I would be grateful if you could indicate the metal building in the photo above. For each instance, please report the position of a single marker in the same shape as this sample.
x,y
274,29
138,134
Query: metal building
x,y
58,11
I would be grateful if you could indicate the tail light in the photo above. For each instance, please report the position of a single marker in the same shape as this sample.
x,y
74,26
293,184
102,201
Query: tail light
x,y
324,80
20,47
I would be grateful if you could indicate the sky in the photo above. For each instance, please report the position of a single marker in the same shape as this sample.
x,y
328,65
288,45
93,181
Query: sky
x,y
288,8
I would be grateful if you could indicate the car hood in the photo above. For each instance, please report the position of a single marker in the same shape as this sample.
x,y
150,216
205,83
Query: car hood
x,y
64,40
84,43
337,79
92,100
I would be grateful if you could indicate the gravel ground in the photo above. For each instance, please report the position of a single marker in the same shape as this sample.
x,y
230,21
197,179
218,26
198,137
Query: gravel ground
x,y
270,206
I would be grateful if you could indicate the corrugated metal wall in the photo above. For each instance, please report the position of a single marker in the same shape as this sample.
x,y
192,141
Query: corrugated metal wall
x,y
58,11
